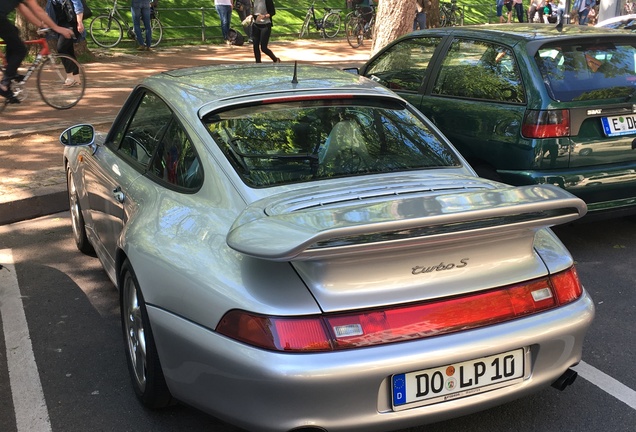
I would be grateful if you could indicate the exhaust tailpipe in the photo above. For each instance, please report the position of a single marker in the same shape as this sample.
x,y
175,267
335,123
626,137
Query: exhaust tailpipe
x,y
567,379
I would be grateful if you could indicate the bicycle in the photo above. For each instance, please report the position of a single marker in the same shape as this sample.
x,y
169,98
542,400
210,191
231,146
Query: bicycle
x,y
51,77
357,27
107,30
328,25
450,14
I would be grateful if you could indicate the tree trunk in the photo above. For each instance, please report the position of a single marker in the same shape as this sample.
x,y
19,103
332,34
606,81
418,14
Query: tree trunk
x,y
394,18
432,14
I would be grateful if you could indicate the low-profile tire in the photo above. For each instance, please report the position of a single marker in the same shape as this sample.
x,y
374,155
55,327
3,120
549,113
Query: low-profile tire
x,y
141,352
77,219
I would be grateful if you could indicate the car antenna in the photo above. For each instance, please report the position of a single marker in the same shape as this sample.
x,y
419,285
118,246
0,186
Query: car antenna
x,y
295,77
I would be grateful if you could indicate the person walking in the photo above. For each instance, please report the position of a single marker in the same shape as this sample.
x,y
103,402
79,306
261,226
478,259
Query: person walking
x,y
140,10
420,14
518,5
244,9
224,9
560,12
508,6
264,10
536,8
73,19
15,50
583,8
499,7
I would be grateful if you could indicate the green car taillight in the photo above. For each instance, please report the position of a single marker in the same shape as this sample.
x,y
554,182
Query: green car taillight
x,y
546,124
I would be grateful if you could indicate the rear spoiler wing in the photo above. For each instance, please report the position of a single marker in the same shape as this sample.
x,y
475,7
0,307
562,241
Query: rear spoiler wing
x,y
363,226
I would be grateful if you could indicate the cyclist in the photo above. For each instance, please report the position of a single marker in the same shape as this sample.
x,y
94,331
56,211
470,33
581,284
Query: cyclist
x,y
15,48
366,8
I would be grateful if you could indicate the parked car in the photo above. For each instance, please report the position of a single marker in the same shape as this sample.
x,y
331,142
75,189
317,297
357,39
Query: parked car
x,y
621,22
513,98
301,249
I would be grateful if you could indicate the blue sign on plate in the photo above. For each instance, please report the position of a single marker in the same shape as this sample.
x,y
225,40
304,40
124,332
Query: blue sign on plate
x,y
399,389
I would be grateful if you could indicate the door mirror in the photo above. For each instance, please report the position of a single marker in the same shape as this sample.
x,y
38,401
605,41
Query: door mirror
x,y
78,135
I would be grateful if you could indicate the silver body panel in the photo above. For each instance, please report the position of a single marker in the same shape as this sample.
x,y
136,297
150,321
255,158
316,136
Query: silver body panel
x,y
349,390
199,255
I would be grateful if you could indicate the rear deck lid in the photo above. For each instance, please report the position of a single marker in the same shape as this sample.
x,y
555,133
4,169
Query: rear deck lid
x,y
379,245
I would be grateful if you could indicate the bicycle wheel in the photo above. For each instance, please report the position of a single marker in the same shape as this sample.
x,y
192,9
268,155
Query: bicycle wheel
x,y
369,31
331,24
304,30
443,19
51,78
106,31
355,31
157,31
452,19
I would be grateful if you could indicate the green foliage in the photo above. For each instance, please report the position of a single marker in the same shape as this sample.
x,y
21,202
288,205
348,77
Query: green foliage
x,y
183,19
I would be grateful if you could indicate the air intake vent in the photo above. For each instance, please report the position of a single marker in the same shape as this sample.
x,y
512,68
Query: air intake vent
x,y
339,197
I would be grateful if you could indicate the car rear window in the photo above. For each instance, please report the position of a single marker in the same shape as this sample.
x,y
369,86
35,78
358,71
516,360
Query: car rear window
x,y
279,143
588,71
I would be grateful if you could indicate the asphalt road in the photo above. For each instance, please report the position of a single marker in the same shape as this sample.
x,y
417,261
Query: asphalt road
x,y
72,315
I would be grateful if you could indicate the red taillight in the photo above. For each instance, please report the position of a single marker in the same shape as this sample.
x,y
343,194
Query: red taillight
x,y
276,333
567,286
546,124
329,332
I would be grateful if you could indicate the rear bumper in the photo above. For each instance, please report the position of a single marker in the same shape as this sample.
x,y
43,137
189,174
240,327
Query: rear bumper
x,y
350,390
604,188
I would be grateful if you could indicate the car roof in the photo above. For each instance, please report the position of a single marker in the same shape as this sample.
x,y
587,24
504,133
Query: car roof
x,y
207,88
511,33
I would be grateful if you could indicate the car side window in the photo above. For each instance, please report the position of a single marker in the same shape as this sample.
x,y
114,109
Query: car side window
x,y
145,130
403,66
176,161
480,70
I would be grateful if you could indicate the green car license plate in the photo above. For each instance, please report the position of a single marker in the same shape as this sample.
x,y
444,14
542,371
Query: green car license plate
x,y
457,380
619,125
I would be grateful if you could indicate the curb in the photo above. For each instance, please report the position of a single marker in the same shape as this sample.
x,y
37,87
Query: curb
x,y
46,201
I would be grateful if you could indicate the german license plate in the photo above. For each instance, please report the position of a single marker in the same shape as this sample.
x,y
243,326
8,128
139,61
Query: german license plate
x,y
619,125
457,380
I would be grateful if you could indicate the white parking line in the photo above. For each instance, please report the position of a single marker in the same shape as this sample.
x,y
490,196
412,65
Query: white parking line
x,y
31,413
607,384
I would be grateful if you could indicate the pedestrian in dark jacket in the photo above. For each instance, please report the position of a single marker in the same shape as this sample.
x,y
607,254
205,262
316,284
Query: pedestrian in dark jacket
x,y
74,21
264,10
244,9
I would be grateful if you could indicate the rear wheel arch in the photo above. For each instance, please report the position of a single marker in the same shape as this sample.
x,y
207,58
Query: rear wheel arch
x,y
77,218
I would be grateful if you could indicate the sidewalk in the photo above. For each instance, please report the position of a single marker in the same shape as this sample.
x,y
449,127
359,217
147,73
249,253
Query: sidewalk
x,y
32,179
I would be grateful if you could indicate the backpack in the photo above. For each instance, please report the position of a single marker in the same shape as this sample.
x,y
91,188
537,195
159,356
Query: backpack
x,y
87,10
66,8
235,37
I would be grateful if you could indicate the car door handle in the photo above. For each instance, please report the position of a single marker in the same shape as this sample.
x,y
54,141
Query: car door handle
x,y
118,194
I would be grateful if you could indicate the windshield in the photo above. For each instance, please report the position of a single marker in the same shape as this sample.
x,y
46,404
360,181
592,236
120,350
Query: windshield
x,y
589,71
280,143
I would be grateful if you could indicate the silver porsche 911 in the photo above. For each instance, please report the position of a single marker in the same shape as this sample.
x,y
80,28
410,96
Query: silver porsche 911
x,y
298,248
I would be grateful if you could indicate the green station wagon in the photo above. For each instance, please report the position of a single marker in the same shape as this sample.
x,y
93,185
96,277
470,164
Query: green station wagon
x,y
528,104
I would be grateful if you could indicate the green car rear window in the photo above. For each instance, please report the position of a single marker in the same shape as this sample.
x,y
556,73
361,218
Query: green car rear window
x,y
593,71
297,141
